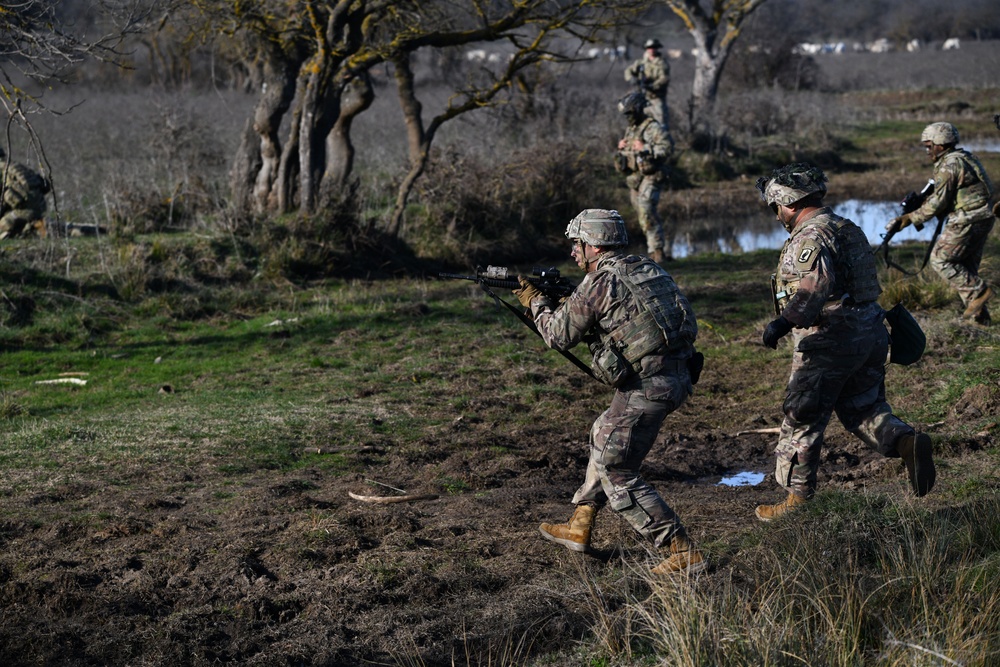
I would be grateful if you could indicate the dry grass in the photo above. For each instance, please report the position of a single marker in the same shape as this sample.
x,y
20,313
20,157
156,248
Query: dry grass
x,y
902,586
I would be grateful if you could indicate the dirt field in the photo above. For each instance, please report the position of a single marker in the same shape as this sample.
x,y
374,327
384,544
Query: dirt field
x,y
287,569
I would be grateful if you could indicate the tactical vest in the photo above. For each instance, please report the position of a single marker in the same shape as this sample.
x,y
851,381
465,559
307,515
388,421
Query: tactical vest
x,y
853,263
664,322
645,162
970,196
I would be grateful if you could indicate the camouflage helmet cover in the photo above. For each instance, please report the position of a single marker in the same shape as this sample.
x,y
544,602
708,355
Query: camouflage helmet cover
x,y
633,104
940,134
652,44
598,227
791,183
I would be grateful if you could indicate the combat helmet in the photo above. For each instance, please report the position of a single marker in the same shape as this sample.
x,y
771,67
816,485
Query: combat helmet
x,y
652,44
633,105
598,227
940,134
791,183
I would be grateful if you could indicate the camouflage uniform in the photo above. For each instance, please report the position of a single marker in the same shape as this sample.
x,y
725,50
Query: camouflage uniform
x,y
23,200
962,191
646,172
652,76
826,285
621,310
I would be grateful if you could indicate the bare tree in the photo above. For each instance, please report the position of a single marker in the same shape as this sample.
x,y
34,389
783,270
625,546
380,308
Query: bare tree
x,y
38,48
715,30
314,60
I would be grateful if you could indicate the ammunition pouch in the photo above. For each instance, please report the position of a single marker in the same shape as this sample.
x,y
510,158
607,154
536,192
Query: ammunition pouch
x,y
629,160
646,165
621,163
906,338
780,297
610,366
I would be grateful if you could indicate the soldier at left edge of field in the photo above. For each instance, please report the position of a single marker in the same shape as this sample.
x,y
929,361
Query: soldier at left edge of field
x,y
23,197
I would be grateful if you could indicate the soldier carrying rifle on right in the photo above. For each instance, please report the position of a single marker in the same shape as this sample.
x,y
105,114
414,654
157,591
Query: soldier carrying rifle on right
x,y
961,198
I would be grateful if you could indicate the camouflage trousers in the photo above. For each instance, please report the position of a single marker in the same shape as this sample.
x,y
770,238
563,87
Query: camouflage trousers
x,y
645,198
959,251
850,382
656,108
619,441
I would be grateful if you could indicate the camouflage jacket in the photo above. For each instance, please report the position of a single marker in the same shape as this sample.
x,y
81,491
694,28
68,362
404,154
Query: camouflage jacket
x,y
655,154
604,312
960,185
812,274
652,75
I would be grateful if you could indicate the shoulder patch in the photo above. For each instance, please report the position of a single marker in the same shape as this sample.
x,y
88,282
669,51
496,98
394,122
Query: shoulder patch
x,y
807,256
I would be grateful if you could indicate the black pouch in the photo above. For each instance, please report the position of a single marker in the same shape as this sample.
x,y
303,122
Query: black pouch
x,y
905,335
695,363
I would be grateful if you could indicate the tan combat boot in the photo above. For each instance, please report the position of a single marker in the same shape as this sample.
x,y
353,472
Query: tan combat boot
x,y
771,512
684,558
915,451
575,534
977,304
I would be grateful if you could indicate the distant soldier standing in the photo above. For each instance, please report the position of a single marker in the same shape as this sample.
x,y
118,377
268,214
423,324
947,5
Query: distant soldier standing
x,y
641,332
826,288
643,155
962,191
651,76
22,197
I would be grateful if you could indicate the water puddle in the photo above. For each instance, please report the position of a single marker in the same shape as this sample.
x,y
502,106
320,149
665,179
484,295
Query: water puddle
x,y
981,145
745,478
762,232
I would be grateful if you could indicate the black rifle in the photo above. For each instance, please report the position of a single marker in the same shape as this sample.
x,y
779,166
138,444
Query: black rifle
x,y
911,202
641,80
548,281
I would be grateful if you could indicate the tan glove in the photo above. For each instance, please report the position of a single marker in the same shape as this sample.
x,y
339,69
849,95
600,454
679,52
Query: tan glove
x,y
899,224
527,292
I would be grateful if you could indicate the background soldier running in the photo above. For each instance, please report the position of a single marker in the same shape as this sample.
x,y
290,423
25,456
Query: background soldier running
x,y
961,198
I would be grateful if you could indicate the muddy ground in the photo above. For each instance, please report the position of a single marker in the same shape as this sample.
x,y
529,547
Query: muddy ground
x,y
288,569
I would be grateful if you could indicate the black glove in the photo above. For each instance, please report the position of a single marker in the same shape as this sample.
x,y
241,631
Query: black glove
x,y
774,330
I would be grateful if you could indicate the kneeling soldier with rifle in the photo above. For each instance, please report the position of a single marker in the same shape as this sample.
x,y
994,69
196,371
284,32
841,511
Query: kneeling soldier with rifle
x,y
641,331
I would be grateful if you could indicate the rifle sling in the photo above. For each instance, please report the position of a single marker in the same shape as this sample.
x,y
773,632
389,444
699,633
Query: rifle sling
x,y
528,322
